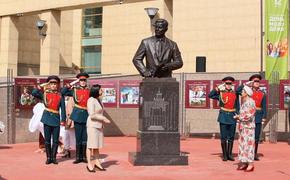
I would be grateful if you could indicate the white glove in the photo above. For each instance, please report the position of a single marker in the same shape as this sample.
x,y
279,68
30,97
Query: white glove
x,y
249,83
221,87
74,82
44,84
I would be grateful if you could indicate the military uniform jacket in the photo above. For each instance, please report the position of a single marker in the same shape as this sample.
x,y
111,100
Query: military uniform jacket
x,y
53,101
229,103
81,96
260,99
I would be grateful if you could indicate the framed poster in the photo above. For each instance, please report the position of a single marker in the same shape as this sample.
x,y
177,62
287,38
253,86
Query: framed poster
x,y
129,94
217,83
196,94
109,91
284,94
22,93
264,86
42,80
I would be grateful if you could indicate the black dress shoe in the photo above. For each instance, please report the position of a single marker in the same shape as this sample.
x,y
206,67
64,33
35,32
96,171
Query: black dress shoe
x,y
54,161
77,161
90,170
84,161
48,161
100,168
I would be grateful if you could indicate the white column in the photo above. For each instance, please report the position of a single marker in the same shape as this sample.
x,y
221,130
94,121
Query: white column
x,y
50,44
8,45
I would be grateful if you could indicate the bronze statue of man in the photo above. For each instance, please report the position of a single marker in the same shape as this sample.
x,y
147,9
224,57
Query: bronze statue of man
x,y
162,55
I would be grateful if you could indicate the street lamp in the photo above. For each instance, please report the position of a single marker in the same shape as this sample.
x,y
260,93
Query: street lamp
x,y
40,24
151,12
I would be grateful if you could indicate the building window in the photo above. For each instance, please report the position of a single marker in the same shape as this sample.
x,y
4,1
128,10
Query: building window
x,y
92,39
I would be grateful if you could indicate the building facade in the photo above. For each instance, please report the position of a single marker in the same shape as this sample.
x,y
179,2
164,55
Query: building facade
x,y
102,36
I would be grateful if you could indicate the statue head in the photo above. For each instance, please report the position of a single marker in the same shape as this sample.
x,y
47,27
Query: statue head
x,y
161,26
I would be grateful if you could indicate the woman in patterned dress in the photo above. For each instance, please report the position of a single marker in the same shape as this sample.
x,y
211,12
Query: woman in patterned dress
x,y
246,127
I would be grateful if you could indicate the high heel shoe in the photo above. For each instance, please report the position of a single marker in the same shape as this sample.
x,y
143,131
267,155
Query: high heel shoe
x,y
249,170
100,168
90,170
242,167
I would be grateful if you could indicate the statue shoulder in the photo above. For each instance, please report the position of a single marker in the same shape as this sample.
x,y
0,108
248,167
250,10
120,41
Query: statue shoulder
x,y
149,39
171,42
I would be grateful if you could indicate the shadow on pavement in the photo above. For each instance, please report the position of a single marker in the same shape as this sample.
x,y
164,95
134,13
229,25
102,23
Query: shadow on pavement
x,y
5,147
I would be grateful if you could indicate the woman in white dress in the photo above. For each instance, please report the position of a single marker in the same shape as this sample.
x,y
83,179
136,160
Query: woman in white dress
x,y
95,128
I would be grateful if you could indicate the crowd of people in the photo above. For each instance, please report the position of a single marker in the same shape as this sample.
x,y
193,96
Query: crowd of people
x,y
70,118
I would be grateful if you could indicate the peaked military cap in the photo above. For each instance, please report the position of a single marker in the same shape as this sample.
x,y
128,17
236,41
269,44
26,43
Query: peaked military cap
x,y
255,76
82,75
53,77
228,78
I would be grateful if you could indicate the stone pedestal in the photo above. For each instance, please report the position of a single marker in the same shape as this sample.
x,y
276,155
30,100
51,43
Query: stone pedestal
x,y
158,139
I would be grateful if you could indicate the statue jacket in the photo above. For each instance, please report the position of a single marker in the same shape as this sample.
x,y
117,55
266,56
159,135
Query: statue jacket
x,y
170,56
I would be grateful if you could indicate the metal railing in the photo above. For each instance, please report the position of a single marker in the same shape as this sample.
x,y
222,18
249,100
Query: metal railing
x,y
273,107
10,108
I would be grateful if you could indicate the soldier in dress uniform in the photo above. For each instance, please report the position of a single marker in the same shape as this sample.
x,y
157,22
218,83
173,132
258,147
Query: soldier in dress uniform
x,y
229,106
260,99
53,102
79,113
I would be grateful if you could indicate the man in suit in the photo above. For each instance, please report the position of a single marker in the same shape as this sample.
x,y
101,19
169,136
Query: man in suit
x,y
162,55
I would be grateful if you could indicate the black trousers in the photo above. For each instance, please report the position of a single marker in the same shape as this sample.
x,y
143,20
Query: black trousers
x,y
258,129
51,131
227,132
81,133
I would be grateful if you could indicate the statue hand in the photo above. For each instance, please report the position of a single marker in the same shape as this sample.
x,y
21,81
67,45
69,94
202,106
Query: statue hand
x,y
165,68
147,74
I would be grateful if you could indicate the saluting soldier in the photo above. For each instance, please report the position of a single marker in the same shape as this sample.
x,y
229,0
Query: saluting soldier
x,y
229,107
53,102
79,113
260,99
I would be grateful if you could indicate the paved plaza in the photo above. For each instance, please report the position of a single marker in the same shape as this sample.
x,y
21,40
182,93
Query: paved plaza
x,y
19,161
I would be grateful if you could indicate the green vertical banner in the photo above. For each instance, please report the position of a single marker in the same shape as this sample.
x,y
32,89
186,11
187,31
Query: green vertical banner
x,y
276,37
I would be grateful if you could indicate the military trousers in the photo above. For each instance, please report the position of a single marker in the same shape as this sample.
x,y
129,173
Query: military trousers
x,y
227,132
258,129
51,131
81,133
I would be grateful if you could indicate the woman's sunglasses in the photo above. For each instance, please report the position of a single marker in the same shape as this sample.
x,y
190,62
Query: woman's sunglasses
x,y
256,80
228,83
83,80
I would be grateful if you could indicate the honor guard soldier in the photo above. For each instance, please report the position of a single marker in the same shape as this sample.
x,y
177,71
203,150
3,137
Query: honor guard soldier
x,y
260,99
229,107
79,113
53,101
